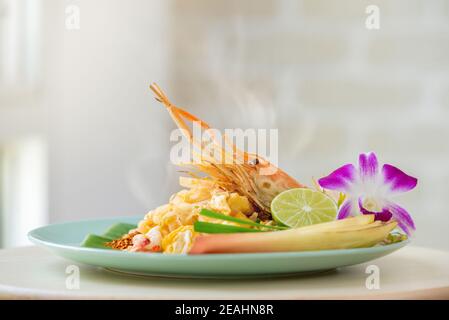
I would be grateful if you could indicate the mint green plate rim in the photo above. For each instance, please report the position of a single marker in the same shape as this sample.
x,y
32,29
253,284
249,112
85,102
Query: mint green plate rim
x,y
206,265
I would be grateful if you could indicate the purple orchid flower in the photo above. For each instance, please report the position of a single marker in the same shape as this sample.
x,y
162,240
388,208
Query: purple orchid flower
x,y
369,191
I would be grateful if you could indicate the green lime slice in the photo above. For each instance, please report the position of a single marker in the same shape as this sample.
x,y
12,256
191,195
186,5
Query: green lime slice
x,y
302,207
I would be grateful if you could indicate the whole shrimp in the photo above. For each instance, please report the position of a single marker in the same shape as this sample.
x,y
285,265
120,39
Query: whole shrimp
x,y
229,167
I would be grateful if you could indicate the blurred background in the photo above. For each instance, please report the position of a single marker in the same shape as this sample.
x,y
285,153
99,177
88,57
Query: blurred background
x,y
82,137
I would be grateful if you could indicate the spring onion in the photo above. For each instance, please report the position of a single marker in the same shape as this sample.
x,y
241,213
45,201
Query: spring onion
x,y
220,216
208,227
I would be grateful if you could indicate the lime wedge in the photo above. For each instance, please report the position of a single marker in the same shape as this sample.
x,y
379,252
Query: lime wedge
x,y
302,207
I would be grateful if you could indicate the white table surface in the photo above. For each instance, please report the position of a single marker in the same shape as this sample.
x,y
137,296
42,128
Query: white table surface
x,y
412,272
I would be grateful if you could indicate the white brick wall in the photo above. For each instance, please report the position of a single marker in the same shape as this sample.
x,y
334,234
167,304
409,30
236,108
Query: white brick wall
x,y
309,68
334,88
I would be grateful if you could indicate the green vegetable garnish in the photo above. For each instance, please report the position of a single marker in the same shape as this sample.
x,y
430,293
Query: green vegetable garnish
x,y
95,241
117,230
395,237
341,199
114,232
220,216
208,227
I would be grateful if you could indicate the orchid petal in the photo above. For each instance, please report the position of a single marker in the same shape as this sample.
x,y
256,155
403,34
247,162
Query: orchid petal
x,y
398,180
372,190
405,221
384,215
341,179
368,165
345,210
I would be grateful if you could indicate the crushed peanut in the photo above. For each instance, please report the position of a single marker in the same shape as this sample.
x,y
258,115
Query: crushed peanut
x,y
124,242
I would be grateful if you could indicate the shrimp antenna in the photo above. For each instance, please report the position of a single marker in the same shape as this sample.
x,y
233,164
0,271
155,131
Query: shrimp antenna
x,y
179,116
160,95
